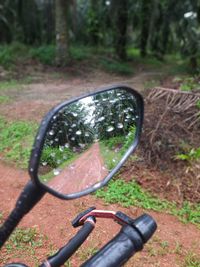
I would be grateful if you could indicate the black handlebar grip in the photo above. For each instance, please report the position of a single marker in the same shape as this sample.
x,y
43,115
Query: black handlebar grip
x,y
68,250
127,242
115,253
15,265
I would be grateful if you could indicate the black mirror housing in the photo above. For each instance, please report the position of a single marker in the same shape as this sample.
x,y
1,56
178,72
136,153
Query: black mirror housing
x,y
45,127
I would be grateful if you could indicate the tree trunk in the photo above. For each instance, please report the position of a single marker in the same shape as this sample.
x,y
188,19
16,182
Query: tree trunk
x,y
121,28
166,24
146,19
62,48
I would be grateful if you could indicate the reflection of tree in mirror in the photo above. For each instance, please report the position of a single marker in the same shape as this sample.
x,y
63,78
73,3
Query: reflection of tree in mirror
x,y
69,127
109,118
115,113
114,148
69,134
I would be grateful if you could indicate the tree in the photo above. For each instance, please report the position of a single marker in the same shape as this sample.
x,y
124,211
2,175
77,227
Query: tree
x,y
146,17
62,43
120,27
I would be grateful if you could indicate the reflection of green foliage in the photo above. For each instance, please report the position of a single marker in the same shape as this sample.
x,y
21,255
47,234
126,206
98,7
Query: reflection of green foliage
x,y
114,142
111,157
66,124
114,148
50,174
53,155
129,140
115,111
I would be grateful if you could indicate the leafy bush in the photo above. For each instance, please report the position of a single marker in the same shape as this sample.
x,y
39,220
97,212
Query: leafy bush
x,y
45,54
189,84
80,52
113,142
198,104
130,193
193,154
9,54
116,67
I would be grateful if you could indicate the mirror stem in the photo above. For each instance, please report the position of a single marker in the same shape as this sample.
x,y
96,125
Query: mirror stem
x,y
29,197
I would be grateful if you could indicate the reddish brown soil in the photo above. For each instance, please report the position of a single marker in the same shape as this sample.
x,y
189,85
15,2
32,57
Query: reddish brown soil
x,y
84,172
173,241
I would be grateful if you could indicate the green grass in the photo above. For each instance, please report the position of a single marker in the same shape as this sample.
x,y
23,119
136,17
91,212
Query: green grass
x,y
4,99
191,155
131,194
16,139
44,54
80,53
122,143
94,57
115,66
111,158
23,243
48,176
191,260
10,84
10,54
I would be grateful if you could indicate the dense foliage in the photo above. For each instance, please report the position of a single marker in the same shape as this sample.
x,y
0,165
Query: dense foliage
x,y
155,27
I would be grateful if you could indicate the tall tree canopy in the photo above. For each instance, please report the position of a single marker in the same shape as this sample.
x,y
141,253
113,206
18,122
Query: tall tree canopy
x,y
155,27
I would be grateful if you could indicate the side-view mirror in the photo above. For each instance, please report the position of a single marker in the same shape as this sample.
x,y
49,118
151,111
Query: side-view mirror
x,y
82,143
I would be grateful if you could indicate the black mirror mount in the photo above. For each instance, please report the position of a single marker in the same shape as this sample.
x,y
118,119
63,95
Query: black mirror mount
x,y
29,197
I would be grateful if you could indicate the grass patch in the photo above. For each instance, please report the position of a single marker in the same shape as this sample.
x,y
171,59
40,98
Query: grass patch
x,y
131,194
85,253
23,244
4,99
80,53
116,67
191,260
44,54
16,139
11,84
10,54
111,158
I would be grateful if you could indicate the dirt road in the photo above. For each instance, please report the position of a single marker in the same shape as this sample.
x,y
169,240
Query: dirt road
x,y
173,243
84,172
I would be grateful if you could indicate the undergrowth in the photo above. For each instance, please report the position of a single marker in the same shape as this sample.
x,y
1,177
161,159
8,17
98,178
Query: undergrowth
x,y
23,243
131,194
4,99
191,155
16,54
16,139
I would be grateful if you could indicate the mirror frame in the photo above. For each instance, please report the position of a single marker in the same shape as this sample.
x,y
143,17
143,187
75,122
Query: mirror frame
x,y
45,125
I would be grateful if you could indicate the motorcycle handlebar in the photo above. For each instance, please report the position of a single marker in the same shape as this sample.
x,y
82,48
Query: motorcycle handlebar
x,y
117,251
68,250
125,244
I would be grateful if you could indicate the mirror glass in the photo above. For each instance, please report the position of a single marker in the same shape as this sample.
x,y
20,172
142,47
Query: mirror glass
x,y
87,139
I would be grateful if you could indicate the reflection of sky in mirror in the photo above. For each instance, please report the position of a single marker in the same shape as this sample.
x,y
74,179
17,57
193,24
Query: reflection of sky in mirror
x,y
89,106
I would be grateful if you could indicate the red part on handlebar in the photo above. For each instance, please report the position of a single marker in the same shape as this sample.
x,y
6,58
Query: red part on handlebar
x,y
107,214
